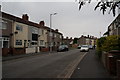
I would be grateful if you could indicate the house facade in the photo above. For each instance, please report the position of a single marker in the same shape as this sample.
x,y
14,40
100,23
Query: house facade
x,y
21,36
114,27
5,34
87,40
57,39
68,41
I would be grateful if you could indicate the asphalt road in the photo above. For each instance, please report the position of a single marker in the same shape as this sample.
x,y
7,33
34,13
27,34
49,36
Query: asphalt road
x,y
56,65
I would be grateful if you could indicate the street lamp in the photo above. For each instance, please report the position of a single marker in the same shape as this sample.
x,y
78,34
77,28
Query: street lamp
x,y
51,31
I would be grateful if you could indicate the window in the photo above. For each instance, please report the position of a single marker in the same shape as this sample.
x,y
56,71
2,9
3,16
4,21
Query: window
x,y
41,42
35,37
4,42
55,35
34,43
34,30
3,25
18,42
51,34
19,27
0,44
60,36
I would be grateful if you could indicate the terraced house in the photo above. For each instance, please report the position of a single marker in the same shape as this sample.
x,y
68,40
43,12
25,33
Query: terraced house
x,y
55,38
21,36
114,27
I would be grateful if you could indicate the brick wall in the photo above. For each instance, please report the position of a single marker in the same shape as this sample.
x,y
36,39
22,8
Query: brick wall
x,y
118,69
44,49
17,51
5,51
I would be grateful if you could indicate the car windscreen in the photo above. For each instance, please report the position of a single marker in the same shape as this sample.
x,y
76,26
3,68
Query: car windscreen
x,y
84,46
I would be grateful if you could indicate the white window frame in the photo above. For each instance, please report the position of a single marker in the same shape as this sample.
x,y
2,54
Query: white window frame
x,y
19,41
42,43
2,39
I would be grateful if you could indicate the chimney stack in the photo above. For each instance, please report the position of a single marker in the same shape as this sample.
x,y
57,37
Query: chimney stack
x,y
56,30
25,17
66,37
70,38
88,36
42,23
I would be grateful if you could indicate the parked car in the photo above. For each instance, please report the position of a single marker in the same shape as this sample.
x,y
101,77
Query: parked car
x,y
79,46
84,48
63,48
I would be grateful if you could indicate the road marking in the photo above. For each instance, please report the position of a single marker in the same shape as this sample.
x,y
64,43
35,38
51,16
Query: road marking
x,y
67,72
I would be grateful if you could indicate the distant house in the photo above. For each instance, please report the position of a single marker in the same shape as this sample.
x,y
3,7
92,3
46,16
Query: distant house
x,y
68,41
87,40
114,27
54,38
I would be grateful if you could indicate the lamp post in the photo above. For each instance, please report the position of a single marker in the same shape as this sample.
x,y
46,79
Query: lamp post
x,y
50,35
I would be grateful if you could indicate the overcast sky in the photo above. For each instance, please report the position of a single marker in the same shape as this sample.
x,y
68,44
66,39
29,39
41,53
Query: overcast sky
x,y
69,20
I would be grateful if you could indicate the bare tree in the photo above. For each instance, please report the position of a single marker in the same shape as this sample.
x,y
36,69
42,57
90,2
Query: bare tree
x,y
103,5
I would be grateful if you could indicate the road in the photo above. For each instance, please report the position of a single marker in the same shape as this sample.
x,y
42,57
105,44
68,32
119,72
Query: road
x,y
55,65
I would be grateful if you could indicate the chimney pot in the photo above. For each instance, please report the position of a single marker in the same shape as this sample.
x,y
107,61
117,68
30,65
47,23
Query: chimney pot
x,y
42,23
25,17
56,30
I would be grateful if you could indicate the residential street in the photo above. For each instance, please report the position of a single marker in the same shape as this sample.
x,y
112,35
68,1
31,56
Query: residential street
x,y
60,40
54,65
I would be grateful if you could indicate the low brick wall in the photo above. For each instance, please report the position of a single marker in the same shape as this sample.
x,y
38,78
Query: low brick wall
x,y
5,51
118,69
17,51
44,49
111,65
111,62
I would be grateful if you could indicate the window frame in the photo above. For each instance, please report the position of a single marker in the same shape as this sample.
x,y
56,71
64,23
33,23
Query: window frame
x,y
18,42
19,27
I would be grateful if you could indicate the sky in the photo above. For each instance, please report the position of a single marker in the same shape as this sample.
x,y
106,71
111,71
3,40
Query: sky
x,y
69,20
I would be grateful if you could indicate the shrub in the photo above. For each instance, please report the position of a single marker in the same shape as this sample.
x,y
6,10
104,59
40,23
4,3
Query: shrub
x,y
111,43
99,43
107,44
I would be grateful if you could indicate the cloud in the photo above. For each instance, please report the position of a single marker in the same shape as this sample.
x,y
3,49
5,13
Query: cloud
x,y
69,19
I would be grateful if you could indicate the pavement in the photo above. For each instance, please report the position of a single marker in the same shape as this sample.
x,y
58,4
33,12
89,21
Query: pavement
x,y
91,67
12,57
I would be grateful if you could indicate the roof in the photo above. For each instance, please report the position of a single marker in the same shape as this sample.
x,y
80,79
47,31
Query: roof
x,y
17,19
114,20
